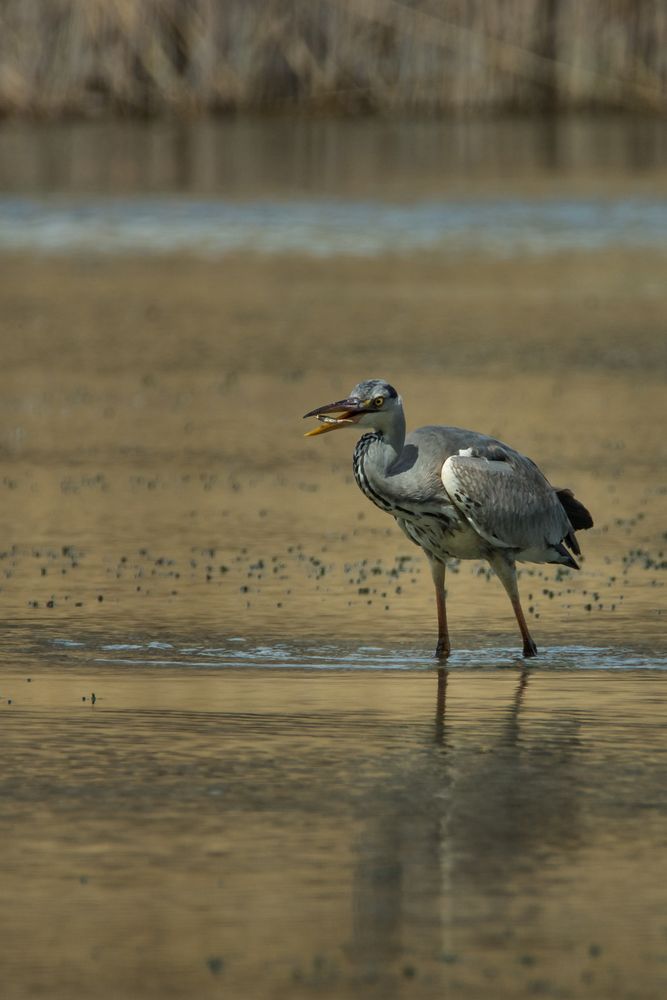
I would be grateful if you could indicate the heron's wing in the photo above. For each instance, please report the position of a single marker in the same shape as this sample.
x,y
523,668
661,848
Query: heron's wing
x,y
505,498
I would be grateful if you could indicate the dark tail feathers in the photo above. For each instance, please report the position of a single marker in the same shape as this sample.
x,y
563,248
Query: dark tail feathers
x,y
578,516
567,559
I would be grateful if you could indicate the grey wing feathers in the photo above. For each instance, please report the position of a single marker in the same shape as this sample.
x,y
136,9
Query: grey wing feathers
x,y
505,498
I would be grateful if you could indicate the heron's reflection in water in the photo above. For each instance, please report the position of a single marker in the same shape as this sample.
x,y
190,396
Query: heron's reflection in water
x,y
460,832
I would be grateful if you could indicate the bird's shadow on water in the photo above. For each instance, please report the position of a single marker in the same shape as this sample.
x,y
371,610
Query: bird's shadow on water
x,y
459,828
473,843
512,725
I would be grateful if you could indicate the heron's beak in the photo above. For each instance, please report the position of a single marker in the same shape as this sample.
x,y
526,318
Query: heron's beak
x,y
333,416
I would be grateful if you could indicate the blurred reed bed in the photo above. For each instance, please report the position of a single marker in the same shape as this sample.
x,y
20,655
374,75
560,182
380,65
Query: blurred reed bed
x,y
90,57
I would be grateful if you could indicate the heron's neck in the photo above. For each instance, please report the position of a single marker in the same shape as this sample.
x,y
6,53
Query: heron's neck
x,y
386,446
374,457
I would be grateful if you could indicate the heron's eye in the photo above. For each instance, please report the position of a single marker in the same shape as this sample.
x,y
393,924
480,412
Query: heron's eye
x,y
378,401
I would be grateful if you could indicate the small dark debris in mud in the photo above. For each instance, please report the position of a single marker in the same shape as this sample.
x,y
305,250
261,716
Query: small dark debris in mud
x,y
321,972
540,987
215,964
244,572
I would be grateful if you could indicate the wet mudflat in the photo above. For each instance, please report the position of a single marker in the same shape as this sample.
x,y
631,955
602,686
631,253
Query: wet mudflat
x,y
273,793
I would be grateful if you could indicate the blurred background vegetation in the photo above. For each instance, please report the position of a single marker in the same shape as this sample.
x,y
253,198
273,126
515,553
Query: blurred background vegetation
x,y
430,57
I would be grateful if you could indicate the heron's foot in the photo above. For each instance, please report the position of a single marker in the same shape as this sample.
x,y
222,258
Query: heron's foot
x,y
529,648
442,650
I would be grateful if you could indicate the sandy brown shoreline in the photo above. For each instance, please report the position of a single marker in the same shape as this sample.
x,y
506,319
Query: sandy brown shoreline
x,y
595,312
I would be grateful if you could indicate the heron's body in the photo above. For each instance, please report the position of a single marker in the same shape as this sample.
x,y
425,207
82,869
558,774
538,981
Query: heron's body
x,y
465,506
457,494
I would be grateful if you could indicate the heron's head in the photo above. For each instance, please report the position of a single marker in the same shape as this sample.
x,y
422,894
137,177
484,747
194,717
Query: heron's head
x,y
374,404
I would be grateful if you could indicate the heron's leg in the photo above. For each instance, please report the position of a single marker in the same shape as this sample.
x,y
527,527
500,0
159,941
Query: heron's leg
x,y
506,573
443,649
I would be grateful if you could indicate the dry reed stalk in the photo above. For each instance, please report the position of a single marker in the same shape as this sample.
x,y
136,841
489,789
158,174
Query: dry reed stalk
x,y
391,56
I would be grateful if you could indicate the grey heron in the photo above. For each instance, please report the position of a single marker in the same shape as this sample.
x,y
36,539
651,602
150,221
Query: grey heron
x,y
457,494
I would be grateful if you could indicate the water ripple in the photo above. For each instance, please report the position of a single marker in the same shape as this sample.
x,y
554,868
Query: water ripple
x,y
235,653
328,227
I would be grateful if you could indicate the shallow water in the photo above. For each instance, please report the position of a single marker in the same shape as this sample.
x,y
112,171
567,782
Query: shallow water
x,y
221,186
386,159
324,228
282,833
82,647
